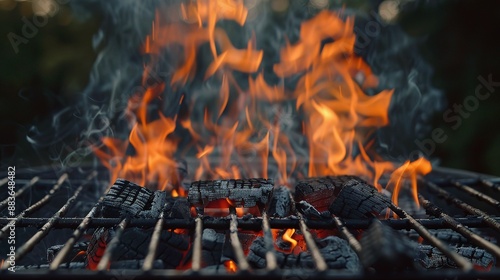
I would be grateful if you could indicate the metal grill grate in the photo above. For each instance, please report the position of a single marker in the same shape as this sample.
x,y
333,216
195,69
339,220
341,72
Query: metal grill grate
x,y
470,193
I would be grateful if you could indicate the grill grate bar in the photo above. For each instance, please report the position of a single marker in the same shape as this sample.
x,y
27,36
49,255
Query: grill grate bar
x,y
264,223
252,224
464,206
4,181
235,241
458,259
271,262
153,244
38,204
471,236
198,234
41,233
106,257
477,194
64,274
490,184
28,185
311,245
75,236
346,234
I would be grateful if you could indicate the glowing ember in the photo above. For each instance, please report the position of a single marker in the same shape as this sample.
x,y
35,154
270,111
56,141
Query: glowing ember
x,y
333,113
231,266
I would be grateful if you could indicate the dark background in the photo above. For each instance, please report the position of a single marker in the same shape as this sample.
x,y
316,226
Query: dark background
x,y
462,42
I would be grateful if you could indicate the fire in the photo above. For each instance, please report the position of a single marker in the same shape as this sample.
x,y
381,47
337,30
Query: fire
x,y
152,161
331,110
409,169
231,266
287,236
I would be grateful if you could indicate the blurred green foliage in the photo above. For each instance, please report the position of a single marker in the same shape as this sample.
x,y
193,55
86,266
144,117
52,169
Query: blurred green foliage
x,y
48,71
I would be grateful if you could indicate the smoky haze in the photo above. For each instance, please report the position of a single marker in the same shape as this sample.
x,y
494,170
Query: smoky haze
x,y
118,74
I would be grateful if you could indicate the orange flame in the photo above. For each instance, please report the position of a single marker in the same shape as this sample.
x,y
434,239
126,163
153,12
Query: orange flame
x,y
338,121
153,161
231,266
287,236
408,169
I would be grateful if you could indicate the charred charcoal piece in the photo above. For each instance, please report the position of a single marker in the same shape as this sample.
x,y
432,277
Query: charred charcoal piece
x,y
177,208
431,258
356,199
212,244
97,246
321,191
308,210
134,244
240,193
77,248
280,204
336,252
126,199
385,249
343,196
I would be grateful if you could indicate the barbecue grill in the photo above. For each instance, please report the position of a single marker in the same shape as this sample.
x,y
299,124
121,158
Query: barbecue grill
x,y
462,201
301,99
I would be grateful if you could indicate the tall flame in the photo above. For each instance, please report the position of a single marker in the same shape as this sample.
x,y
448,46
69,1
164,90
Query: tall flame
x,y
336,117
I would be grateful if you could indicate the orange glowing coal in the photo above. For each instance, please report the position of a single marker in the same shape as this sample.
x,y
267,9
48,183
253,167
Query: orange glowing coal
x,y
231,266
336,117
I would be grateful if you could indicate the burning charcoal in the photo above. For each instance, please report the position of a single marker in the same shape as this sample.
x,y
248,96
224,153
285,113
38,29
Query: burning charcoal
x,y
283,244
356,199
432,258
246,240
240,193
212,243
281,204
385,249
308,210
344,196
126,199
336,252
97,246
320,192
75,250
134,244
177,208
